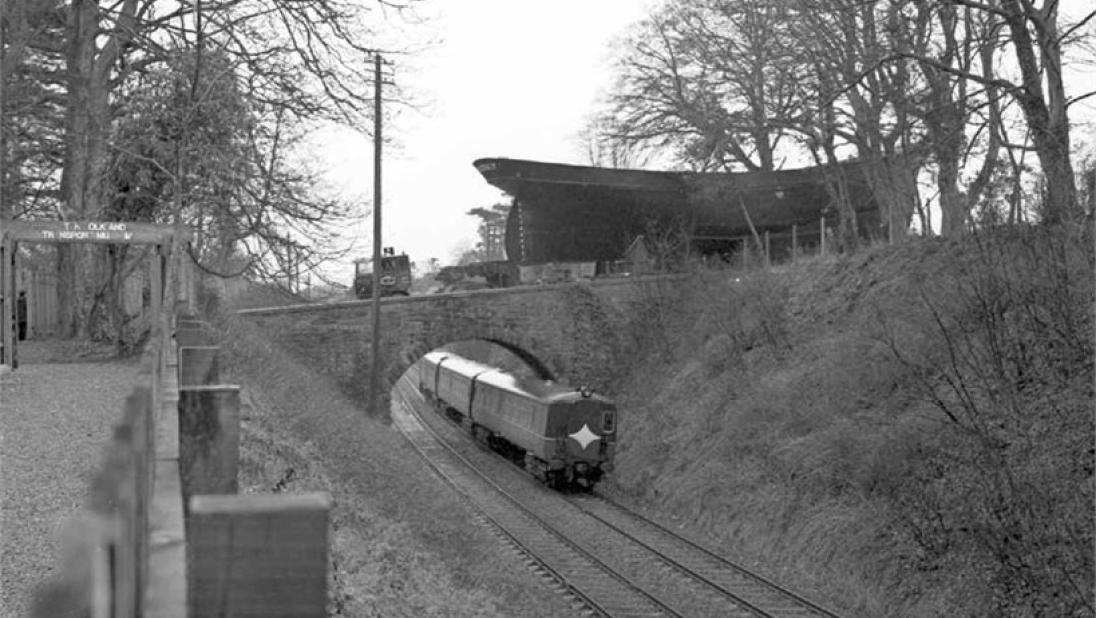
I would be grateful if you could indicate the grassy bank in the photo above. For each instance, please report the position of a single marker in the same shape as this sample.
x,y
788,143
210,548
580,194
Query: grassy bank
x,y
906,431
401,544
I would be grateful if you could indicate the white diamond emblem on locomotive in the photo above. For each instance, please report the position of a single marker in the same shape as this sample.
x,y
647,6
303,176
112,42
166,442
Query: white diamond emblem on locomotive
x,y
584,436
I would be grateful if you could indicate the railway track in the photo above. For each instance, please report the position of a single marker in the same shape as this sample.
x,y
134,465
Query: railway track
x,y
755,592
582,574
613,561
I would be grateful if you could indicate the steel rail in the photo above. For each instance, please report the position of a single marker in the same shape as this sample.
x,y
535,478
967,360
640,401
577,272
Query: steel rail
x,y
719,560
563,579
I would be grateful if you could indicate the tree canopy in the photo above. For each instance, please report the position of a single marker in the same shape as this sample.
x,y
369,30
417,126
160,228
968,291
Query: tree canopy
x,y
190,113
958,90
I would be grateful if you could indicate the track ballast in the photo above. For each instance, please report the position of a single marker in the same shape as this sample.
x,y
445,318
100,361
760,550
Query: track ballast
x,y
614,562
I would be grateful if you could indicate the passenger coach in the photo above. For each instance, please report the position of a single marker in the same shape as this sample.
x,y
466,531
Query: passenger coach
x,y
561,434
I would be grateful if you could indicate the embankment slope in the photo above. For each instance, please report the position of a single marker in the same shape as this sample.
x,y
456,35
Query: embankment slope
x,y
906,431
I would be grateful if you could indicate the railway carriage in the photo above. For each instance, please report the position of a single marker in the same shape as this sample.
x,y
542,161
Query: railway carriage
x,y
452,388
561,434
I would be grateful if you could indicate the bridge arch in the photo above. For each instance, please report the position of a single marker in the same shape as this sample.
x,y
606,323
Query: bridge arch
x,y
407,356
566,332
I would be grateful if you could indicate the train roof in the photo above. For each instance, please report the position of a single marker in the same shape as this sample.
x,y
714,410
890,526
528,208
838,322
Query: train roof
x,y
546,390
465,366
486,374
436,356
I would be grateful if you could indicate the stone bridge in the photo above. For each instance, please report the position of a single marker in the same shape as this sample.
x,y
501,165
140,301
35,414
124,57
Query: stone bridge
x,y
572,332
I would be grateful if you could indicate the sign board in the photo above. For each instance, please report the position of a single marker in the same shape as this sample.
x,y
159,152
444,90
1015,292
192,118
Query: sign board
x,y
87,231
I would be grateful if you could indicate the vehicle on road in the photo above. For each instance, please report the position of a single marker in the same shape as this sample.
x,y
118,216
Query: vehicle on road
x,y
394,276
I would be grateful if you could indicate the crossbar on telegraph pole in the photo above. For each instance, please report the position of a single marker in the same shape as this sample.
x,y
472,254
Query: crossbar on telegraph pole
x,y
374,373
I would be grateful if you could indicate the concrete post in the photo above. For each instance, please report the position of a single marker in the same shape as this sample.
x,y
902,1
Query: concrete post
x,y
209,439
258,555
156,272
198,365
192,333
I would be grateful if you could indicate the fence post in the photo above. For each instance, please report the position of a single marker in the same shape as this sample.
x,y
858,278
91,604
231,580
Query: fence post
x,y
258,555
192,333
822,236
795,243
165,594
768,252
198,365
209,439
156,280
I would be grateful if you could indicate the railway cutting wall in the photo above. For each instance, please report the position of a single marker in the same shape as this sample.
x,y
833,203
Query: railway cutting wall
x,y
575,332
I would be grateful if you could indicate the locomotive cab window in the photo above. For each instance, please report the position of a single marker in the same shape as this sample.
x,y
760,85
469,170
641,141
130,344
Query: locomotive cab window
x,y
608,420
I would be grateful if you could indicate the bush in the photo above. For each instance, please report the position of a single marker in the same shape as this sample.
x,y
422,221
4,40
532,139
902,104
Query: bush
x,y
1002,348
908,428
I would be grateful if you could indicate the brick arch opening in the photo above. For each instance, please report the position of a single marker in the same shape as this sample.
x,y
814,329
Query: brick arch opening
x,y
542,370
408,356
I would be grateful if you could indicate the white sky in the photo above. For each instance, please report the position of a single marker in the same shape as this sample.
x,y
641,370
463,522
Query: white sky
x,y
510,78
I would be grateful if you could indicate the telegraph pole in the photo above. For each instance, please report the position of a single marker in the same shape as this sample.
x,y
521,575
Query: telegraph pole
x,y
375,370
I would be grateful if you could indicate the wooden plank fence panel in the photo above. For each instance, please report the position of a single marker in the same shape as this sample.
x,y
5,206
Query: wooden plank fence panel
x,y
258,555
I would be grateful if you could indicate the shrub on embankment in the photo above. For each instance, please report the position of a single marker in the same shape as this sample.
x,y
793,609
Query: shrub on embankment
x,y
399,544
909,428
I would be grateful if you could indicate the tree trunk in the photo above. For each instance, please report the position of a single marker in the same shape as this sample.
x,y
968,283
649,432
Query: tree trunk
x,y
1046,117
70,298
86,123
945,120
953,206
893,181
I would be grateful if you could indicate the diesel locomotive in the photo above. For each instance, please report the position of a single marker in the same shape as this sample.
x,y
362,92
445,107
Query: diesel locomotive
x,y
562,435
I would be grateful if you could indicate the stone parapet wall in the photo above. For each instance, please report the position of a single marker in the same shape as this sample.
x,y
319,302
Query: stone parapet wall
x,y
574,330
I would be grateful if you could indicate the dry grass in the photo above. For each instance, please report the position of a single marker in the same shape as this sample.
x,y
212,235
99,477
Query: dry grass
x,y
782,423
798,419
401,543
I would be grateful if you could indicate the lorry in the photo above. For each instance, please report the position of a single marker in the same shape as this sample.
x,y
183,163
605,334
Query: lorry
x,y
394,276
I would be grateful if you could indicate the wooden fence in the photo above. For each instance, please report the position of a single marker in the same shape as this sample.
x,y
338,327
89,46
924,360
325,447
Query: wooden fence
x,y
164,533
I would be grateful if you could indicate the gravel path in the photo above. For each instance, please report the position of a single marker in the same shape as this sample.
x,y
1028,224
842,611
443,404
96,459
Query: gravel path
x,y
55,420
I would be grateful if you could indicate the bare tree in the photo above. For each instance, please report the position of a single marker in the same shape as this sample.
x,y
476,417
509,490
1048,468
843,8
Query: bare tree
x,y
295,61
743,83
709,79
601,150
254,207
32,112
1036,42
863,102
